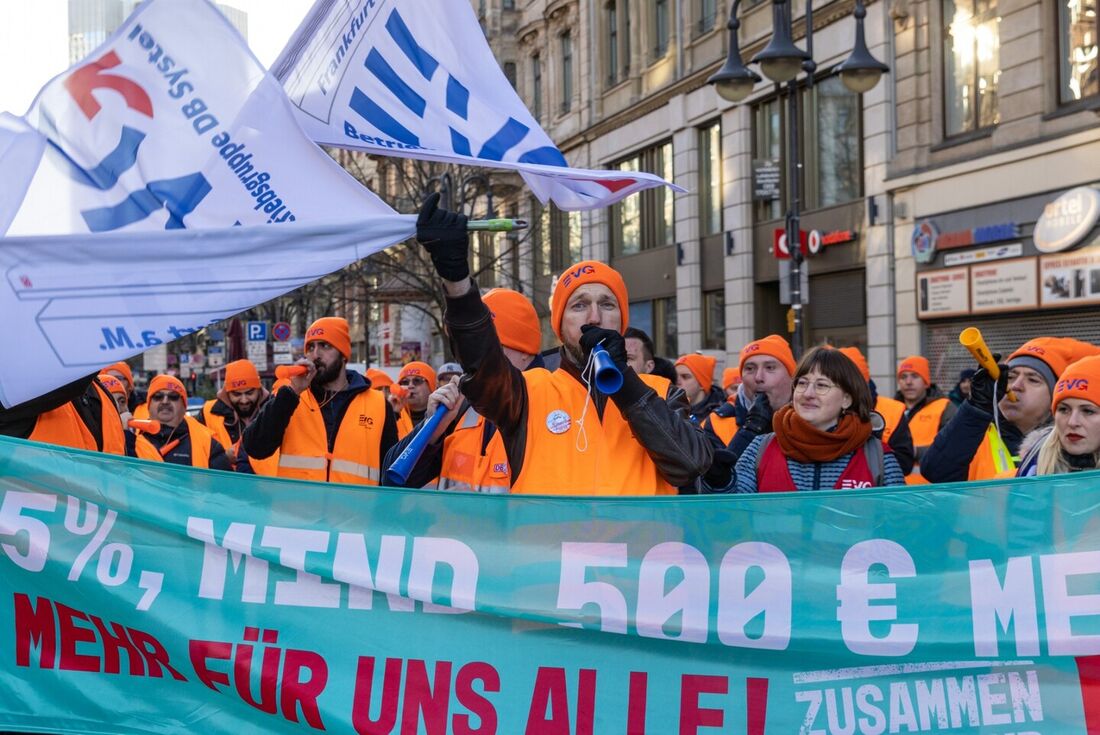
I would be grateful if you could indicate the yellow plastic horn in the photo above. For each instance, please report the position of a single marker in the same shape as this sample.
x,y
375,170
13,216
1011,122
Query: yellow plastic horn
x,y
971,338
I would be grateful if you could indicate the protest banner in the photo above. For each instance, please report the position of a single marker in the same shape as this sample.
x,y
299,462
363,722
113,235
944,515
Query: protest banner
x,y
176,189
145,597
416,78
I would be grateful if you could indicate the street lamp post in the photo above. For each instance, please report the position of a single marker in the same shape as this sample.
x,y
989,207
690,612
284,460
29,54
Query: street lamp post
x,y
782,61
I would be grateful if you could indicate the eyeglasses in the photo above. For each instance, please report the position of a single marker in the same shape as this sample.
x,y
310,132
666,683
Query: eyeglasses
x,y
821,387
406,382
166,396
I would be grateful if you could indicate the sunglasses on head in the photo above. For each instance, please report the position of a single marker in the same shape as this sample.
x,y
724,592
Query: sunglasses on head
x,y
166,396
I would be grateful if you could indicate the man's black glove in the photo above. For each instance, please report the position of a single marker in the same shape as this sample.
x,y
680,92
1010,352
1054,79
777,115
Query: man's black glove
x,y
981,388
720,472
759,419
444,235
612,341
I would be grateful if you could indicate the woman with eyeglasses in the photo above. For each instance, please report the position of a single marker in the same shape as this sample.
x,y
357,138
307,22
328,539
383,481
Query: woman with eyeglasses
x,y
1072,442
821,440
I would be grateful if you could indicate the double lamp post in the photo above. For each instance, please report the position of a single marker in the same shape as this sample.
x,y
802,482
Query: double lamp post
x,y
782,61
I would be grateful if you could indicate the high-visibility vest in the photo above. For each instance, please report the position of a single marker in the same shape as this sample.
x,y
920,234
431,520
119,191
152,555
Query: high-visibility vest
x,y
63,426
404,423
355,456
141,411
216,424
725,427
603,459
892,412
923,426
465,468
992,460
200,445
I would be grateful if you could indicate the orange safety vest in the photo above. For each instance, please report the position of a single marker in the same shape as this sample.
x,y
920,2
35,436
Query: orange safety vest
x,y
141,411
891,412
725,427
404,423
63,426
355,456
200,445
465,468
216,424
992,460
924,425
606,459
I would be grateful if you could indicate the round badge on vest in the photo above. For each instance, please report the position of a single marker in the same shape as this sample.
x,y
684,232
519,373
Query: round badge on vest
x,y
558,421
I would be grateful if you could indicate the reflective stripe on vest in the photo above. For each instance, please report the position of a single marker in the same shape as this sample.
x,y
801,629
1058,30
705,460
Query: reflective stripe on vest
x,y
354,457
992,459
606,460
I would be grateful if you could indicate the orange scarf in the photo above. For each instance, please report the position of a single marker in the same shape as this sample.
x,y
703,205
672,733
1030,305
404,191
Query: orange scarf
x,y
804,442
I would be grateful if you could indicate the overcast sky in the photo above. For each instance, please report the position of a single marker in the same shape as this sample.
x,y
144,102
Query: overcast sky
x,y
34,41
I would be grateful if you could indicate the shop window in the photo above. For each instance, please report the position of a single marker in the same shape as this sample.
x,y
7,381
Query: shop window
x,y
1078,26
645,220
710,179
714,320
831,148
971,65
566,41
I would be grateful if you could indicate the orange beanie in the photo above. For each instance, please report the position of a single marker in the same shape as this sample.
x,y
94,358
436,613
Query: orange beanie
x,y
916,364
331,329
124,369
1079,380
588,271
241,375
378,379
423,369
772,346
1050,356
701,366
731,376
853,354
111,383
166,382
515,319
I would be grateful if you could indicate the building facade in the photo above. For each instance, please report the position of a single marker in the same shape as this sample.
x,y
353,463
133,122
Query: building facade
x,y
988,116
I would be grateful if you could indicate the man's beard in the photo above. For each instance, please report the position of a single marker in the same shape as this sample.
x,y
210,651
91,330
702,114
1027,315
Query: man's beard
x,y
245,411
575,354
326,375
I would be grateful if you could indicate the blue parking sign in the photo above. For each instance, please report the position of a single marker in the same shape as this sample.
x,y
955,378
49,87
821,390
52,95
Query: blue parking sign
x,y
257,331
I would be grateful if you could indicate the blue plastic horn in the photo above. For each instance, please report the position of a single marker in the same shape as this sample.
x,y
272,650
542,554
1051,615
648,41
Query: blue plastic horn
x,y
608,377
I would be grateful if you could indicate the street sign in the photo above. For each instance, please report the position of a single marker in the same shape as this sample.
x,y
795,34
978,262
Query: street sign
x,y
257,332
282,353
281,331
257,354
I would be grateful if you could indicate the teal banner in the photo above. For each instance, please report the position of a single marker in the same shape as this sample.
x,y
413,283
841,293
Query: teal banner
x,y
147,598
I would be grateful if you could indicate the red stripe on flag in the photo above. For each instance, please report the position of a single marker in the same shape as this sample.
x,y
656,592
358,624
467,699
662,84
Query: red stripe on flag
x,y
1088,671
613,185
756,695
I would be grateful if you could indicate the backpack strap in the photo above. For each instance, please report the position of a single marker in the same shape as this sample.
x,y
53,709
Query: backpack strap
x,y
876,459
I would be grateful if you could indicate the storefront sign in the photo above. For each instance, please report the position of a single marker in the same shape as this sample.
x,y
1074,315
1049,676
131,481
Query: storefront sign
x,y
812,241
765,179
943,292
1008,286
982,255
1069,280
928,240
1066,220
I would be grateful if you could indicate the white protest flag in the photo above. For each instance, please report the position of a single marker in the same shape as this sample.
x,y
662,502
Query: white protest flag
x,y
161,184
415,78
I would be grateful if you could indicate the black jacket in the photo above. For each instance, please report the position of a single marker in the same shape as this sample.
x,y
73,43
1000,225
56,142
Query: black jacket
x,y
949,457
265,434
711,400
498,392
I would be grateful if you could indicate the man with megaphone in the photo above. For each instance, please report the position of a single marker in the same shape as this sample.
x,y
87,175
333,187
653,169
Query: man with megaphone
x,y
561,433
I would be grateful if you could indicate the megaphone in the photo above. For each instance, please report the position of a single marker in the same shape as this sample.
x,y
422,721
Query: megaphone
x,y
971,338
608,376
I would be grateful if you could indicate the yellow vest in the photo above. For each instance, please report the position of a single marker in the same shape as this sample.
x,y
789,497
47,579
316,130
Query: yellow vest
x,y
200,445
992,460
604,459
355,456
465,468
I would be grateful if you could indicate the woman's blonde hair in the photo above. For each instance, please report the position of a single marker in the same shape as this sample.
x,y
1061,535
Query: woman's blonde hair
x,y
1051,460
